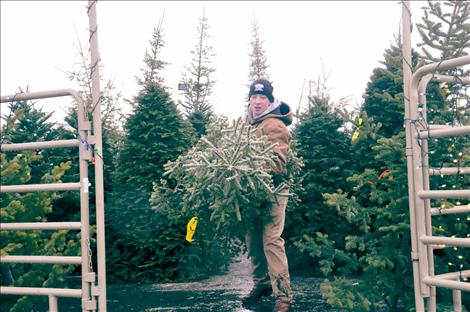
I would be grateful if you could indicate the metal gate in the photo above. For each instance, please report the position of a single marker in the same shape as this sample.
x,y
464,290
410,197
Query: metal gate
x,y
418,132
85,142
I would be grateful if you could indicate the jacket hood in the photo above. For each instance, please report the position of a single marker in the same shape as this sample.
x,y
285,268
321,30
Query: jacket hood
x,y
276,109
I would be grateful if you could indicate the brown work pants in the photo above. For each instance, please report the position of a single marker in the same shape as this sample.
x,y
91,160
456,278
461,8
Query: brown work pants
x,y
268,256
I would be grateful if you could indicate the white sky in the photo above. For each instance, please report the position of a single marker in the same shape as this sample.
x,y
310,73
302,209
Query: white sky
x,y
38,44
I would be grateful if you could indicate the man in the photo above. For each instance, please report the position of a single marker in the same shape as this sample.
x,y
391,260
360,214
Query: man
x,y
264,243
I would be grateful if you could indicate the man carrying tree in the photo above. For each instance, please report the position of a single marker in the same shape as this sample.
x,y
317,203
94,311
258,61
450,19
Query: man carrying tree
x,y
265,246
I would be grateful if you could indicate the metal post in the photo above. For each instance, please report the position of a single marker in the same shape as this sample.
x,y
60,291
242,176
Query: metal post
x,y
427,202
83,128
52,303
97,134
422,191
457,299
84,204
406,51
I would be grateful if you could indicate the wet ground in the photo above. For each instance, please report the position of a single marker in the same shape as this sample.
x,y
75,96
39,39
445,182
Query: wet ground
x,y
222,293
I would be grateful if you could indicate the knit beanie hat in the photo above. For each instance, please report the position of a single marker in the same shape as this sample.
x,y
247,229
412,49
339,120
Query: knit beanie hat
x,y
262,86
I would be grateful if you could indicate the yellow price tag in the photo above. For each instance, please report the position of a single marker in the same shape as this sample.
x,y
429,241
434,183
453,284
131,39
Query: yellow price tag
x,y
356,133
190,229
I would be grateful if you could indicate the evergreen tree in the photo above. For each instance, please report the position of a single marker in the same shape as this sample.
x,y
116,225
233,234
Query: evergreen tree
x,y
67,207
198,81
378,249
223,182
378,206
445,34
26,123
31,207
153,64
258,58
444,30
154,134
383,99
326,168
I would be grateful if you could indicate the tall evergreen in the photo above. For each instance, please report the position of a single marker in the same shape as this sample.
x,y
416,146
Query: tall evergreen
x,y
258,58
445,34
325,148
378,204
383,99
198,80
153,64
112,135
155,133
26,123
444,30
378,272
375,251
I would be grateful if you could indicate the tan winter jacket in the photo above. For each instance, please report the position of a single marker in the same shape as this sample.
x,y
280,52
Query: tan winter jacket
x,y
274,126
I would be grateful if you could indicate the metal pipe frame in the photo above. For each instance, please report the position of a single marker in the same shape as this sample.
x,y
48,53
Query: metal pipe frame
x,y
454,275
40,187
455,194
421,204
449,171
448,241
39,145
83,131
41,259
430,68
433,281
97,133
452,210
52,303
40,291
427,202
407,72
444,132
451,79
41,226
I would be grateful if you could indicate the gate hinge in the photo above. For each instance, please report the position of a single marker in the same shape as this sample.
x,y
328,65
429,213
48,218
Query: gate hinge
x,y
90,277
95,291
89,305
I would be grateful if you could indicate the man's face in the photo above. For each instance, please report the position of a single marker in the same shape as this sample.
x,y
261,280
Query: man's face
x,y
258,104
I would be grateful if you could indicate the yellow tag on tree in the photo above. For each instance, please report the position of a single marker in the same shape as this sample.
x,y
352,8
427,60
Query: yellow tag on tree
x,y
190,229
356,133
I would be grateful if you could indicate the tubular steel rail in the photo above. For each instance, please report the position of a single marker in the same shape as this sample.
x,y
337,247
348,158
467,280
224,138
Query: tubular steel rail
x,y
91,289
417,134
88,290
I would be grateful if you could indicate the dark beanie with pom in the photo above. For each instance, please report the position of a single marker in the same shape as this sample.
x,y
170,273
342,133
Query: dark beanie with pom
x,y
262,86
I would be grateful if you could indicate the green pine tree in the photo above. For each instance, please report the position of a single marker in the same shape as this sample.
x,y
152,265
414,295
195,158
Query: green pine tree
x,y
198,81
32,207
223,182
445,34
444,30
378,205
258,58
326,168
155,133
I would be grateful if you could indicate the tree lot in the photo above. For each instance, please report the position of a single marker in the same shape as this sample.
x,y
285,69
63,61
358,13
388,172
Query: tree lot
x,y
348,220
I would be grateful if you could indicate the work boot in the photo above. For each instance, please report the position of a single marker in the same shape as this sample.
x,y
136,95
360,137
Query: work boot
x,y
256,294
281,306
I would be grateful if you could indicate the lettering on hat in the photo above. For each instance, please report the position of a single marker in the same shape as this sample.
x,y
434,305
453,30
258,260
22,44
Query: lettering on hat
x,y
259,87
